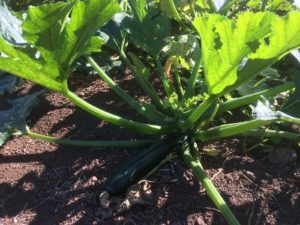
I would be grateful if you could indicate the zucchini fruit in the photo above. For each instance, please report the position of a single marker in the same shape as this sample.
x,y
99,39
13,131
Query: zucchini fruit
x,y
139,166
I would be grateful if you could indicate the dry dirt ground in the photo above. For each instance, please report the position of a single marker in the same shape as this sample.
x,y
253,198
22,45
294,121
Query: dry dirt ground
x,y
46,184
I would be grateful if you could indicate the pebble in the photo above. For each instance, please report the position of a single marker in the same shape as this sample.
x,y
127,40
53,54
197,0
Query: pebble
x,y
94,178
250,175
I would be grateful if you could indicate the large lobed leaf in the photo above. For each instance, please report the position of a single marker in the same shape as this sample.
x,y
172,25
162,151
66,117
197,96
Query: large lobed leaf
x,y
150,33
21,61
235,50
60,33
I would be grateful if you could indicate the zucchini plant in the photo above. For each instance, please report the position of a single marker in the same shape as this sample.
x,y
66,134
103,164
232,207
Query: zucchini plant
x,y
201,56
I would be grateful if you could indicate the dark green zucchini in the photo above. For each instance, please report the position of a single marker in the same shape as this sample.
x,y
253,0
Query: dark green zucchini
x,y
139,166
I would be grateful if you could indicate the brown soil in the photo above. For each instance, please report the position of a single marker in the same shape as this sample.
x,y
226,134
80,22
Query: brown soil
x,y
42,183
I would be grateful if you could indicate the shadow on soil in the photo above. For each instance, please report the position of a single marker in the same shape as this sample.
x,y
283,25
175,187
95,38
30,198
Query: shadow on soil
x,y
59,195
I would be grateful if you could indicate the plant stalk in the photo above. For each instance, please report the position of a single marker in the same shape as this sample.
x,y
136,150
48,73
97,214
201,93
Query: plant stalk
x,y
157,117
196,114
286,118
149,90
85,143
192,81
232,129
117,120
273,134
178,82
211,190
246,100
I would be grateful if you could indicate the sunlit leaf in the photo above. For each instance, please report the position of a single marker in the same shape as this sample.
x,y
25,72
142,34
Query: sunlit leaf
x,y
58,34
234,51
139,8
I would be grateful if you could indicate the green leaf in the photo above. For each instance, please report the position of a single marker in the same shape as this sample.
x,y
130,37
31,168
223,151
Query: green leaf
x,y
280,5
112,31
283,38
44,28
62,36
226,6
21,61
171,7
235,51
15,118
141,70
185,46
205,5
292,106
60,33
252,86
270,73
254,4
256,85
150,33
139,8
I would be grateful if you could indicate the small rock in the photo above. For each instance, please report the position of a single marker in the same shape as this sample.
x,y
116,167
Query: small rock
x,y
104,199
94,178
81,94
200,221
250,175
15,220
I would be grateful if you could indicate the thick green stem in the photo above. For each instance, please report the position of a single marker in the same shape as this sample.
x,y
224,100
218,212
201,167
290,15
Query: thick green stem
x,y
192,81
273,134
178,82
95,144
231,129
286,118
157,118
149,90
211,190
203,123
246,100
196,114
117,120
